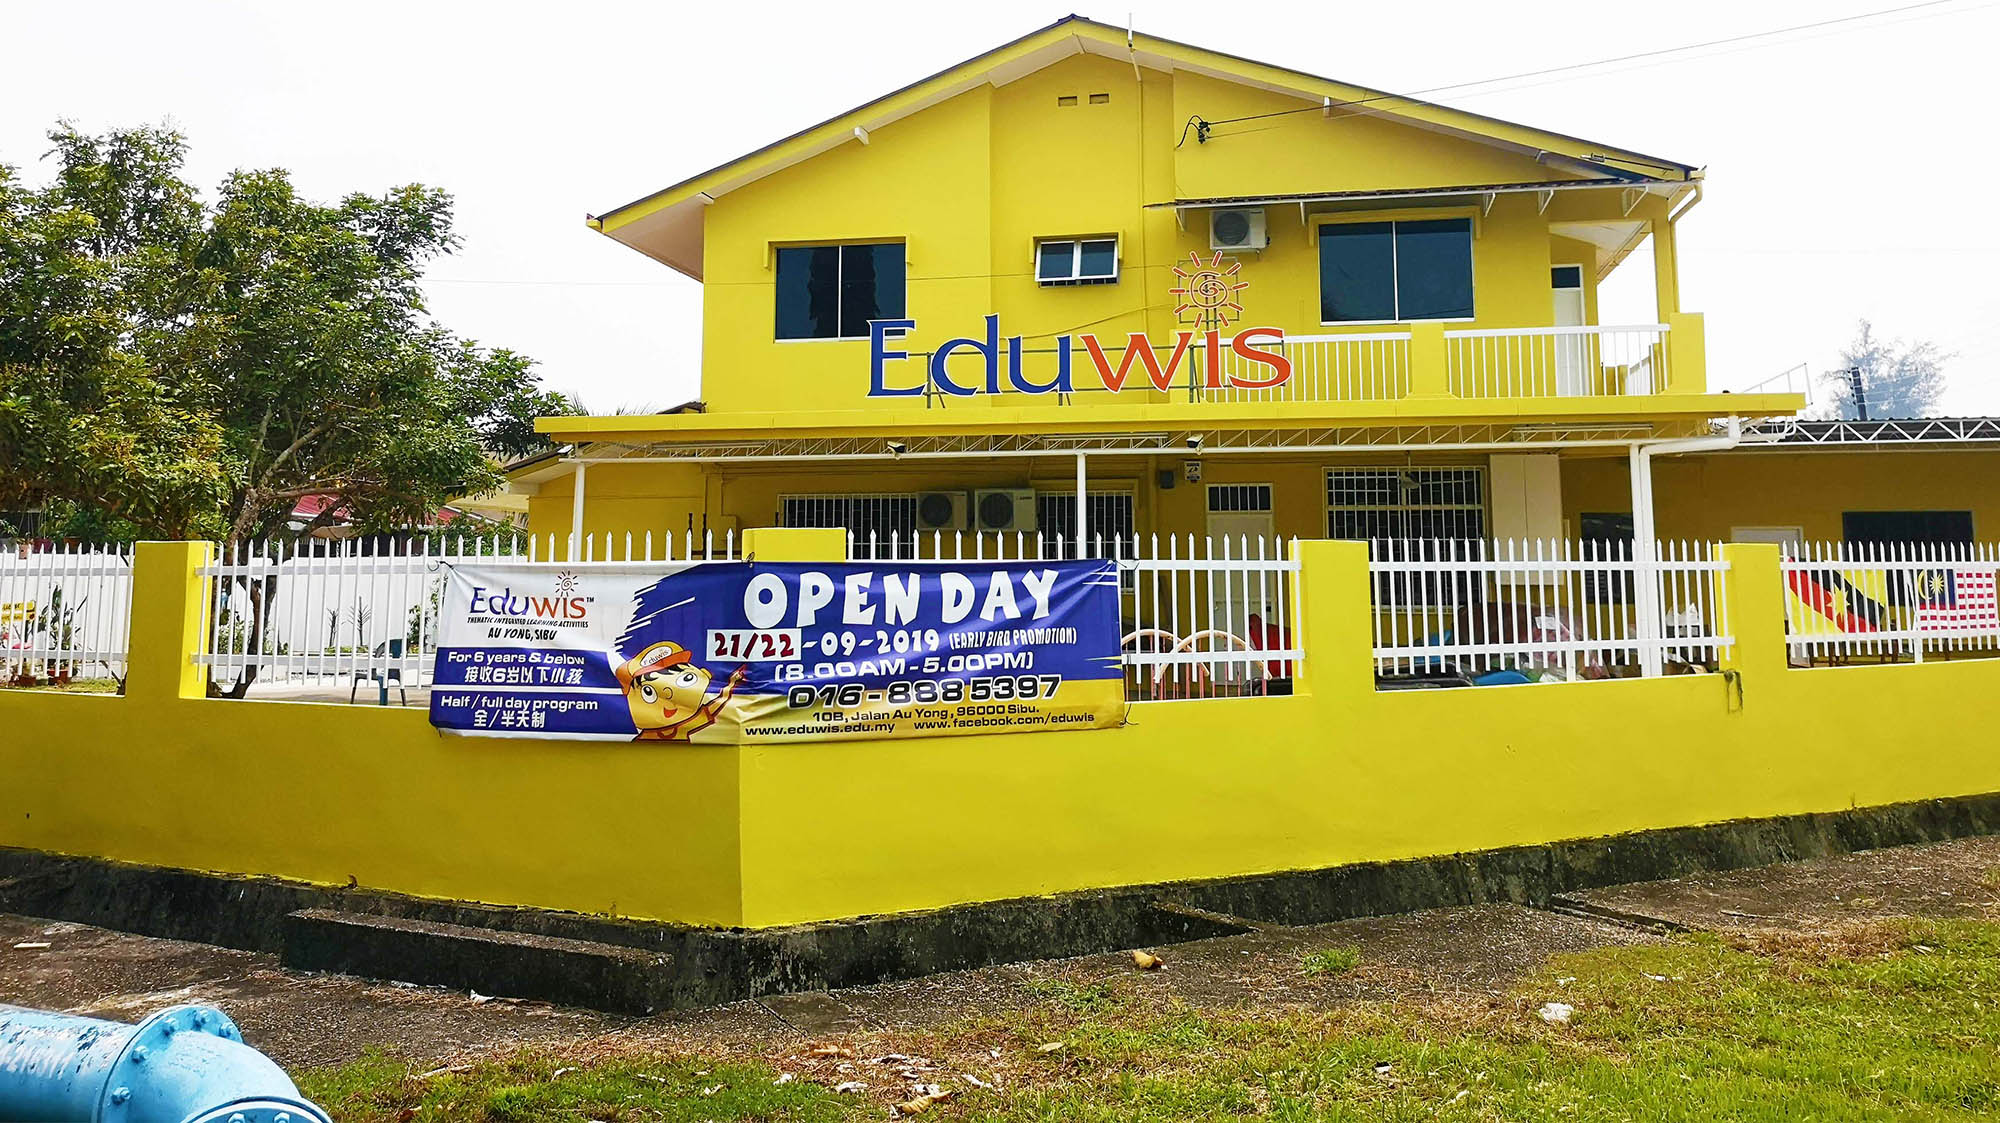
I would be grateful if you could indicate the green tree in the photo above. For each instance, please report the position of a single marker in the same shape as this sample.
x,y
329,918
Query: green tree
x,y
188,369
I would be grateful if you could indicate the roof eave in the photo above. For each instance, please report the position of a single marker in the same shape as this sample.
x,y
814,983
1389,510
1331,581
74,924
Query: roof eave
x,y
838,128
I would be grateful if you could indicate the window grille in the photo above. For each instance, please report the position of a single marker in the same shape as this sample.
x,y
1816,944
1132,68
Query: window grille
x,y
1108,518
1239,497
1406,512
881,515
1406,504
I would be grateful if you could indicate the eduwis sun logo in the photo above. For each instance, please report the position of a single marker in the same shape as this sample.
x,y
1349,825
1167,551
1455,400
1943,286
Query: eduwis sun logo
x,y
566,584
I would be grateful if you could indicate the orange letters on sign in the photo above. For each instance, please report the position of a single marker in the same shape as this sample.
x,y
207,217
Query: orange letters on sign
x,y
1137,344
1281,365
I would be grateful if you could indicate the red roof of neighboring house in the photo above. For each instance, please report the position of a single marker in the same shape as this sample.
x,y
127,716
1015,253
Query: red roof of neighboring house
x,y
310,507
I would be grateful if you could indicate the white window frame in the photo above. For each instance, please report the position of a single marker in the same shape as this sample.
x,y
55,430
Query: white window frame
x,y
1075,276
1396,267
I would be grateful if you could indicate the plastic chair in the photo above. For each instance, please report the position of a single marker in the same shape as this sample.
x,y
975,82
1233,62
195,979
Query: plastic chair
x,y
381,674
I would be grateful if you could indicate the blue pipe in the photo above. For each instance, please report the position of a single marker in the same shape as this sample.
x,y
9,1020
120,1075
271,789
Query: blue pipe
x,y
184,1064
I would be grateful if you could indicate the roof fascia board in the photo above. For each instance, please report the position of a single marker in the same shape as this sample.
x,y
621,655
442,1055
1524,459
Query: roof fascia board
x,y
1312,87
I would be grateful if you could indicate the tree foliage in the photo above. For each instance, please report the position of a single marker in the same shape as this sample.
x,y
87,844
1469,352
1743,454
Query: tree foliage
x,y
1898,379
191,369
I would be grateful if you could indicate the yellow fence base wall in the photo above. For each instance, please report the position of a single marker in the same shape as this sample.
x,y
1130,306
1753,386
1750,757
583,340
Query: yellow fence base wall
x,y
764,835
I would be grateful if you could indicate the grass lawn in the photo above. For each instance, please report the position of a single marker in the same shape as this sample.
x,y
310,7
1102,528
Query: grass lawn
x,y
1878,1020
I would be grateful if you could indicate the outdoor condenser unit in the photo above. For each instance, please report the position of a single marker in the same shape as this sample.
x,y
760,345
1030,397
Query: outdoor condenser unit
x,y
941,510
1237,228
1005,509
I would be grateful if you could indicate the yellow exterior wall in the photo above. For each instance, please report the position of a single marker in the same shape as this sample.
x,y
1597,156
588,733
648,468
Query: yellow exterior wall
x,y
765,835
971,183
334,793
1705,496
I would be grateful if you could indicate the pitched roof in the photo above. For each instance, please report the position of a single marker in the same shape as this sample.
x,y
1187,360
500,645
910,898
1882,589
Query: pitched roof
x,y
667,224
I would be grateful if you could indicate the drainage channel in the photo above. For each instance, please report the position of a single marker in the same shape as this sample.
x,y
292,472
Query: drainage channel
x,y
1638,922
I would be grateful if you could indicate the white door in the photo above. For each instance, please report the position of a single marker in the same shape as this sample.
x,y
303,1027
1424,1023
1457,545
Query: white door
x,y
1572,352
1240,522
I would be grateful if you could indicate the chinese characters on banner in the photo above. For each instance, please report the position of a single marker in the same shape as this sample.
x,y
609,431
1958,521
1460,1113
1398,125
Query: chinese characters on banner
x,y
739,651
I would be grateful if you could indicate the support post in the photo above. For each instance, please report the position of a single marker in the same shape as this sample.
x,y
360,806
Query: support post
x,y
1666,269
794,544
1082,504
1646,622
1333,623
1753,599
576,515
1430,361
169,604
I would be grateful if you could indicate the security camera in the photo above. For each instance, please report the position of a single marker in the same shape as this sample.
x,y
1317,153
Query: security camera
x,y
1194,440
896,448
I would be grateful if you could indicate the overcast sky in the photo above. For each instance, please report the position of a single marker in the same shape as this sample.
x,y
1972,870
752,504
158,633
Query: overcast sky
x,y
1835,157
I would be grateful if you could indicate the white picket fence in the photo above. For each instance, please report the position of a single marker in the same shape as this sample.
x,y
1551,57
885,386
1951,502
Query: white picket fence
x,y
363,613
1549,610
1199,617
65,612
1886,601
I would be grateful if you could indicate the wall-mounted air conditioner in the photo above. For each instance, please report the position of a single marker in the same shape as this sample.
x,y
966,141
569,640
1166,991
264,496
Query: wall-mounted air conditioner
x,y
941,510
1237,228
1005,508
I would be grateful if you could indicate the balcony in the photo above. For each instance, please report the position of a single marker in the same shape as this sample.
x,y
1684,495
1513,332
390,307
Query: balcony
x,y
1423,360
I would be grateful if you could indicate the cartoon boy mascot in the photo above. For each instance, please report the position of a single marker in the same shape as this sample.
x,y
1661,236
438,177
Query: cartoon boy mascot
x,y
668,694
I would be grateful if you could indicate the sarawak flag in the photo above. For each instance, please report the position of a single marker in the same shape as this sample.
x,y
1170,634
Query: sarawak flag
x,y
1829,593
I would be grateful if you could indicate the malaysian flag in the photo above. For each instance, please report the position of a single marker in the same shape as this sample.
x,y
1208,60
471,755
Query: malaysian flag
x,y
1956,601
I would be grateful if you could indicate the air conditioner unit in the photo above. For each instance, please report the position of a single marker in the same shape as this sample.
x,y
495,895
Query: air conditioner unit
x,y
1005,509
1237,228
941,510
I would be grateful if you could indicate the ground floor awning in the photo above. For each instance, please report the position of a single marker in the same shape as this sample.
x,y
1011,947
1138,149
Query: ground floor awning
x,y
1207,441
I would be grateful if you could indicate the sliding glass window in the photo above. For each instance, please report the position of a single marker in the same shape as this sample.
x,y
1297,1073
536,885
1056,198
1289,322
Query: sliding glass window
x,y
831,292
1391,272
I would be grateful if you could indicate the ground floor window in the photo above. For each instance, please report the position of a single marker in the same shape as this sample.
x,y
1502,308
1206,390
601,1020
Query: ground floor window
x,y
1607,535
882,515
1932,528
1108,517
1394,506
1404,512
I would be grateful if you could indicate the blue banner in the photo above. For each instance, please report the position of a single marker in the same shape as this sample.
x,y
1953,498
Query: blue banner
x,y
740,651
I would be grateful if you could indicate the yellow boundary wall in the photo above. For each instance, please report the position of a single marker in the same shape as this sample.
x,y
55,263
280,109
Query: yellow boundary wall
x,y
759,835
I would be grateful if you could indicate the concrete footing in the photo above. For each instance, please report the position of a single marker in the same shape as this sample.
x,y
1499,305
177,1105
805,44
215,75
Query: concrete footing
x,y
637,966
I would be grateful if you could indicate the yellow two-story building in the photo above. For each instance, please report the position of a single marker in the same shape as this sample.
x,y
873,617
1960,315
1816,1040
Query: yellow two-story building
x,y
1209,296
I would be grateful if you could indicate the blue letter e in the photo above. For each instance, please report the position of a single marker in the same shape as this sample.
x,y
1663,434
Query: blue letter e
x,y
878,336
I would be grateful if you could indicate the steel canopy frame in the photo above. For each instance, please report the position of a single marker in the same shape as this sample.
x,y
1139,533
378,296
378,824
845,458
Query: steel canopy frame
x,y
1497,436
1907,430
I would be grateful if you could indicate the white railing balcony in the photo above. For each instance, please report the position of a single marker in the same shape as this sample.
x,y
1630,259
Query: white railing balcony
x,y
1557,362
1369,367
1392,364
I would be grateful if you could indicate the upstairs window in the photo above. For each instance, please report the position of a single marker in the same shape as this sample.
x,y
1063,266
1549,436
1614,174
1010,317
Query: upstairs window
x,y
831,292
1389,272
1077,261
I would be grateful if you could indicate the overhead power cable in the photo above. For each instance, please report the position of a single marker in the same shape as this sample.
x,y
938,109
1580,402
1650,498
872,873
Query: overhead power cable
x,y
1202,126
